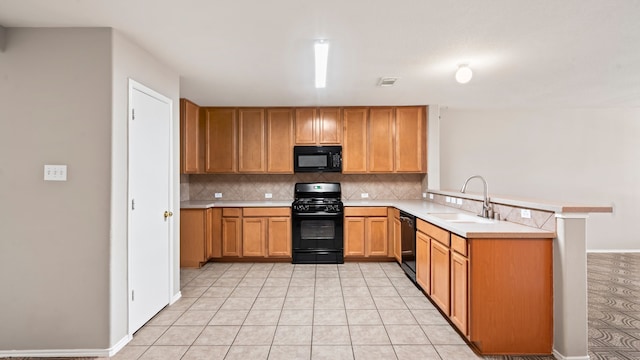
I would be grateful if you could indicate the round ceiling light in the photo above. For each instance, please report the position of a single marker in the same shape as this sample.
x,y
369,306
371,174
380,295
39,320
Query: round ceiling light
x,y
464,74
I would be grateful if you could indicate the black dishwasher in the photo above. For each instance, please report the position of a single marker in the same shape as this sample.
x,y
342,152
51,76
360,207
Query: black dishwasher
x,y
408,242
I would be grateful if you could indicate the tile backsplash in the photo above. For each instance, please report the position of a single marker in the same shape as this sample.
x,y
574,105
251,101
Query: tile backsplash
x,y
253,187
540,219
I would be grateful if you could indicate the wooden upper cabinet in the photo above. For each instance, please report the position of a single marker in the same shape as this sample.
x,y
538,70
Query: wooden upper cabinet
x,y
354,146
411,139
191,138
221,135
381,140
329,126
318,126
305,126
251,141
280,141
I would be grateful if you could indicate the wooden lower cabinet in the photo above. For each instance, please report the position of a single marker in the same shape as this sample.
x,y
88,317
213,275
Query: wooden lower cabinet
x,y
231,232
423,261
254,236
366,232
395,236
193,237
459,292
279,235
214,243
266,232
497,292
440,276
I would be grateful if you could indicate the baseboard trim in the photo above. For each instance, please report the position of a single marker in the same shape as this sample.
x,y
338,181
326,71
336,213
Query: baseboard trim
x,y
630,251
120,344
65,353
562,357
175,297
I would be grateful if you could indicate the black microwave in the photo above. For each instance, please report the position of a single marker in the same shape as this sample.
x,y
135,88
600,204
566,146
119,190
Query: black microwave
x,y
317,159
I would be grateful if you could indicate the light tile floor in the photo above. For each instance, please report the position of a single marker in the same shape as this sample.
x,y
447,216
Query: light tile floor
x,y
284,311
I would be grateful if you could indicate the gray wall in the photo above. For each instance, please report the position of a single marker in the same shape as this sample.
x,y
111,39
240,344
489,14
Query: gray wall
x,y
587,156
63,245
55,108
131,61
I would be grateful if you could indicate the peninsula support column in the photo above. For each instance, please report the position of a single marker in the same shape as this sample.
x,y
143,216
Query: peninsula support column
x,y
570,287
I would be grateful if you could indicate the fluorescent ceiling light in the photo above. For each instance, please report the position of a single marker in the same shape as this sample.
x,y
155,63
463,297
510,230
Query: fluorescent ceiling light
x,y
464,74
322,55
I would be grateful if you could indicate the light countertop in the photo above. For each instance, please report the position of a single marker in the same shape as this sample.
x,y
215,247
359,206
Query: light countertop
x,y
204,204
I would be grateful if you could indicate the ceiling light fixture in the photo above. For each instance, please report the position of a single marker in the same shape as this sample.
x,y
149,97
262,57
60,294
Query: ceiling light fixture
x,y
464,74
321,48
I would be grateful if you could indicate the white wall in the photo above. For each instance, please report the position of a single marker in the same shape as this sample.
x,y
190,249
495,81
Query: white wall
x,y
55,108
589,156
131,61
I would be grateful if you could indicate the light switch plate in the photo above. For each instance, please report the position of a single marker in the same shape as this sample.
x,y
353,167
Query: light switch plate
x,y
55,172
459,201
431,196
447,199
364,195
424,195
217,195
525,213
268,195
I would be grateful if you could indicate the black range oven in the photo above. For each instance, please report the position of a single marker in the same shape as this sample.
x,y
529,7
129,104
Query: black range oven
x,y
317,224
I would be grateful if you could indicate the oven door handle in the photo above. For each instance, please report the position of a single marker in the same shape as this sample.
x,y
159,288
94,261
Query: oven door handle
x,y
320,215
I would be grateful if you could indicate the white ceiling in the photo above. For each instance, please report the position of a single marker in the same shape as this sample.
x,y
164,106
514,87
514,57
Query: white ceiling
x,y
524,53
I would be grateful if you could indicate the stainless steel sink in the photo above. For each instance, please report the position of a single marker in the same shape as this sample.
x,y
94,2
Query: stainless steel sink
x,y
461,218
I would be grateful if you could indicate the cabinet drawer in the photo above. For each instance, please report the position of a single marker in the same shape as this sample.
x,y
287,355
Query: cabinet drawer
x,y
433,232
232,212
266,211
365,211
459,244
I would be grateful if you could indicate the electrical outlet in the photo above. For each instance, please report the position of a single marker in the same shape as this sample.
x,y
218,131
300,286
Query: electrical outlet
x,y
430,196
55,172
525,213
459,201
217,195
268,195
364,195
424,195
447,199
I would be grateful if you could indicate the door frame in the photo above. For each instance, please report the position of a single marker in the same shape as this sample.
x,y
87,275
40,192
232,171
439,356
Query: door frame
x,y
134,85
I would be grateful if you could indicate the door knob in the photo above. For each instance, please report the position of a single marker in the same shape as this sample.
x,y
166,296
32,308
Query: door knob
x,y
167,214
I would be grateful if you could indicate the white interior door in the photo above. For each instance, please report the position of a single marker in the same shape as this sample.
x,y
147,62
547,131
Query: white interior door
x,y
149,199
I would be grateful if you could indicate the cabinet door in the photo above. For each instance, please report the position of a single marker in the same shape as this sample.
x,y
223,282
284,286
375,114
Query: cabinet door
x,y
440,271
329,126
214,237
231,236
397,236
192,138
305,126
221,151
354,147
381,140
254,236
423,261
459,292
411,139
354,230
279,237
192,237
377,243
280,141
251,141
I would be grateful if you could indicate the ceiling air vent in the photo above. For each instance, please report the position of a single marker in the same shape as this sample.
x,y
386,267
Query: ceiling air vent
x,y
387,81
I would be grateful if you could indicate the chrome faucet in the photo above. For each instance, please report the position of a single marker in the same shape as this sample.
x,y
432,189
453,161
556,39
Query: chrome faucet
x,y
487,209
